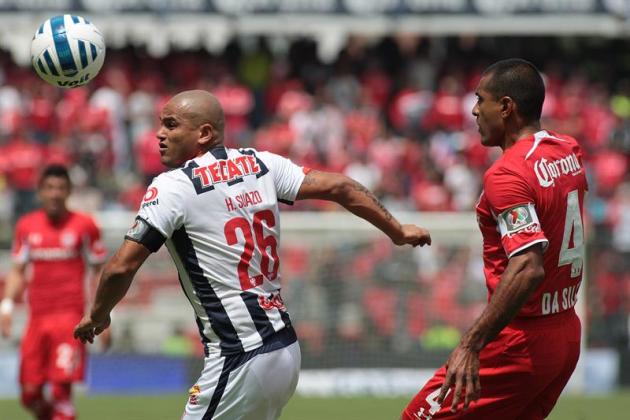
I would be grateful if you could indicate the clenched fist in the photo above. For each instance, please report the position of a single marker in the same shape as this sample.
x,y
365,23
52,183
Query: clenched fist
x,y
413,235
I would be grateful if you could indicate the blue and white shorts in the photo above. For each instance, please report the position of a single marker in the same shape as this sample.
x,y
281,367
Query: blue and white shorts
x,y
255,385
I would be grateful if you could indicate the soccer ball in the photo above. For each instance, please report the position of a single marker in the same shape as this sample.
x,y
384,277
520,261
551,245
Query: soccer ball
x,y
67,51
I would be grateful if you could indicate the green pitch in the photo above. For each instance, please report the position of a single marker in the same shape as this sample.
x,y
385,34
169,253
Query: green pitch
x,y
609,407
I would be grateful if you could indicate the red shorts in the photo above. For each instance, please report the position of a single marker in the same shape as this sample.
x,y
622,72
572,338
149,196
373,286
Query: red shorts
x,y
49,352
522,373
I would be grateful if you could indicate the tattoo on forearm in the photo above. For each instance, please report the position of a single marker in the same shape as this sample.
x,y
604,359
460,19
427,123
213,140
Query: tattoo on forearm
x,y
309,179
358,187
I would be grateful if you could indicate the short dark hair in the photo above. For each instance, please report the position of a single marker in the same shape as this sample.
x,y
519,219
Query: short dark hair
x,y
520,80
55,170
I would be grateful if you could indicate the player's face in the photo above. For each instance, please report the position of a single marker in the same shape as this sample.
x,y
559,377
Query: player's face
x,y
178,136
53,193
487,111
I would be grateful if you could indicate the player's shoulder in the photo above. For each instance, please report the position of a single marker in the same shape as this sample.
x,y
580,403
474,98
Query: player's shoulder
x,y
250,151
505,166
82,218
265,159
31,219
171,181
544,142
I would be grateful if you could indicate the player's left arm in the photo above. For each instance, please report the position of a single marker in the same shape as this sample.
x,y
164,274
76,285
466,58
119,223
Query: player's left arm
x,y
115,280
293,182
360,201
522,276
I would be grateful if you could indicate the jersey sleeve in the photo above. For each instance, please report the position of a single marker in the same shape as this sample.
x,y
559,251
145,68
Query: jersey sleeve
x,y
161,213
93,246
287,176
20,252
512,204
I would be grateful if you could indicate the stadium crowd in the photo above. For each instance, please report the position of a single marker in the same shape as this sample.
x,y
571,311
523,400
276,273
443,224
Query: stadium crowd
x,y
393,114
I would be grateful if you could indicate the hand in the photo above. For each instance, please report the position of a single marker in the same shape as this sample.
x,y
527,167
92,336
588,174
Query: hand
x,y
5,325
413,235
462,372
88,328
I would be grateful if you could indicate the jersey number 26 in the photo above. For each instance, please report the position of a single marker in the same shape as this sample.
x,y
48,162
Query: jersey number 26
x,y
262,242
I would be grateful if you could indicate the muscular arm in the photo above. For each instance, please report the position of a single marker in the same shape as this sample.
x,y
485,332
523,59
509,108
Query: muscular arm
x,y
522,276
360,201
114,283
15,285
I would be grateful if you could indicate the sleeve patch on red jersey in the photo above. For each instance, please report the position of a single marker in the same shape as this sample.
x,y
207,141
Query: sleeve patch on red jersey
x,y
519,218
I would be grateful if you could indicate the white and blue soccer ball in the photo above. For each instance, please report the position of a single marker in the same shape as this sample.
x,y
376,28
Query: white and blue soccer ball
x,y
67,51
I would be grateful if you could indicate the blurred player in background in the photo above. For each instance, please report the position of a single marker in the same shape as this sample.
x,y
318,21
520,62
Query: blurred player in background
x,y
519,354
218,214
55,244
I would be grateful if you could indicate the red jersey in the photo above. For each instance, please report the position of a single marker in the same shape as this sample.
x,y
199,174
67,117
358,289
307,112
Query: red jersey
x,y
534,194
57,253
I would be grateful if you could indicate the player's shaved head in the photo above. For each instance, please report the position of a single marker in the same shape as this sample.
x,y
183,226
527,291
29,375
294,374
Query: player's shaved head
x,y
200,107
191,123
520,80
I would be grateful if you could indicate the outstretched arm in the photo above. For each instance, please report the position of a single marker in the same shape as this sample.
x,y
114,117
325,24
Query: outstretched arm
x,y
361,202
522,276
115,281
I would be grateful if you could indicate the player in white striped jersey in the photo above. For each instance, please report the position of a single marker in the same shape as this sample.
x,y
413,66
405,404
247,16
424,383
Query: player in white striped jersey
x,y
217,212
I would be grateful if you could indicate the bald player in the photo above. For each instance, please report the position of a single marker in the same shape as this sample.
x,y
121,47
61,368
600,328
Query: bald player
x,y
217,213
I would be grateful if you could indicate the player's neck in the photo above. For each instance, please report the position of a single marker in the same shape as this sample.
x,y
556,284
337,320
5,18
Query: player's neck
x,y
56,218
516,135
212,146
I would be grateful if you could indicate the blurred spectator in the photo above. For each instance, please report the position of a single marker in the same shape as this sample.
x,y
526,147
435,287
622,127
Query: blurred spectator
x,y
619,219
21,161
238,102
147,156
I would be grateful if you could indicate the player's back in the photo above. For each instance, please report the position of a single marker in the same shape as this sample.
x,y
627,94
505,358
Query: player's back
x,y
220,216
553,168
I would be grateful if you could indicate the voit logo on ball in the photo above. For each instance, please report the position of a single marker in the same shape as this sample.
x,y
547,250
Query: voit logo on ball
x,y
67,51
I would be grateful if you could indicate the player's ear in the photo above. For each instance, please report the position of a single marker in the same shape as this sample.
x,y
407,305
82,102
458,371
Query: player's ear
x,y
206,134
507,105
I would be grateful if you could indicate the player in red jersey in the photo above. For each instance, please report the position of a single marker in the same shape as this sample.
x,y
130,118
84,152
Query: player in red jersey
x,y
56,243
521,351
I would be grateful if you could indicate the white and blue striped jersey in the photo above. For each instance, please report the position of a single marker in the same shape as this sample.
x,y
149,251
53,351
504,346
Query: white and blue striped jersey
x,y
219,218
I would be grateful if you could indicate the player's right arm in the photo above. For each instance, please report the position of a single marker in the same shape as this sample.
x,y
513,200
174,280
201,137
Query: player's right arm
x,y
16,280
155,222
115,280
15,285
360,201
